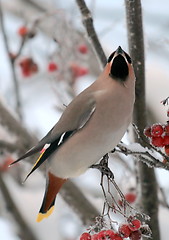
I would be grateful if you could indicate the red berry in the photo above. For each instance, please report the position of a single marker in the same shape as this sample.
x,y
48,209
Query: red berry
x,y
101,235
28,67
166,140
166,148
134,224
52,67
109,233
157,130
124,230
82,71
78,71
147,132
136,235
130,197
85,236
94,237
157,141
117,237
83,49
26,73
26,62
23,31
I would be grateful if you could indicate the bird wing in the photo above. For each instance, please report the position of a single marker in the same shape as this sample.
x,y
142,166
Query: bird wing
x,y
75,116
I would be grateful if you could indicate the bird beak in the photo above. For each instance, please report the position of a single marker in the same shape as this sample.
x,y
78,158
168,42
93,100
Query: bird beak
x,y
119,51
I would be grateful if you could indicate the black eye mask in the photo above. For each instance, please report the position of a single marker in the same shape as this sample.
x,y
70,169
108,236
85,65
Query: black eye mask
x,y
119,68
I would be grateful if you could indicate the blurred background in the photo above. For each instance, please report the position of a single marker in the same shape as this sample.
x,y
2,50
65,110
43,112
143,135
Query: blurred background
x,y
49,68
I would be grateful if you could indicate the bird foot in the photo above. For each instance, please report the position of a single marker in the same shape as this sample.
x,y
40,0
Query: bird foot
x,y
105,170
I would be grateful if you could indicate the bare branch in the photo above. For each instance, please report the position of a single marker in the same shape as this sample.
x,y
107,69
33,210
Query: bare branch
x,y
25,232
88,23
79,203
10,147
145,156
15,81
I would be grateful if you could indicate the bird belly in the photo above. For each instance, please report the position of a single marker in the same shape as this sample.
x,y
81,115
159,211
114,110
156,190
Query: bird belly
x,y
83,149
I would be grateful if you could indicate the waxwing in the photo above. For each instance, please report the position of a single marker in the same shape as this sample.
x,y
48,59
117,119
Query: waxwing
x,y
91,126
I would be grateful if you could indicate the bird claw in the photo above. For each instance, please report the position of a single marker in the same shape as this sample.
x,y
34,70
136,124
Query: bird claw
x,y
105,170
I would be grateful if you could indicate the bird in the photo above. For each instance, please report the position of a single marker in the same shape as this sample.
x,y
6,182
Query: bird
x,y
91,126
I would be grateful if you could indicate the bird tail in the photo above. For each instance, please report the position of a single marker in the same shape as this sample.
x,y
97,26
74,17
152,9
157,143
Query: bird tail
x,y
43,143
52,188
29,153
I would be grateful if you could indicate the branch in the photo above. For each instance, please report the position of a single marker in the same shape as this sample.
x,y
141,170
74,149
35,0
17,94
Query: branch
x,y
8,121
25,232
136,48
73,196
10,147
144,156
88,23
15,81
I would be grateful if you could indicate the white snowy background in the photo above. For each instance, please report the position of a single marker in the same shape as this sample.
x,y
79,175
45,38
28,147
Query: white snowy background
x,y
40,114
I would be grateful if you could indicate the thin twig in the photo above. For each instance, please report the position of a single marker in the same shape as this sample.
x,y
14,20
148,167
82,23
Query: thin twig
x,y
165,101
149,160
113,205
16,85
88,23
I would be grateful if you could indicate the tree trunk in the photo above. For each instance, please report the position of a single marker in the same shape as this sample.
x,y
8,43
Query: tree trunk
x,y
147,175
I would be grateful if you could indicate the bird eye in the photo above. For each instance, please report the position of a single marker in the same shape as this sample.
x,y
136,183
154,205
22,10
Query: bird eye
x,y
111,57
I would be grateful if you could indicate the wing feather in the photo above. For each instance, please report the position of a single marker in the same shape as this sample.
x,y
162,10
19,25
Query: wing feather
x,y
48,152
75,116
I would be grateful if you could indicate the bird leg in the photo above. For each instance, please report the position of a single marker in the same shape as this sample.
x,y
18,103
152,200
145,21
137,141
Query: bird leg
x,y
103,167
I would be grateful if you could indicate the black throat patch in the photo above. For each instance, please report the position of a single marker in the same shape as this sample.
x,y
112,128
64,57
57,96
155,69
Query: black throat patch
x,y
119,69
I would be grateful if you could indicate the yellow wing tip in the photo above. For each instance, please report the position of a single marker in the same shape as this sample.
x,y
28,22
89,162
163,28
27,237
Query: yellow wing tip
x,y
41,216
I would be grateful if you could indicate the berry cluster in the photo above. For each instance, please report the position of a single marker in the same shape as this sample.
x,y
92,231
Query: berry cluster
x,y
129,230
159,135
77,70
28,67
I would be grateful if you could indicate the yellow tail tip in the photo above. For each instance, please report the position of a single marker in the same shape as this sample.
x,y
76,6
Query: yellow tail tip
x,y
41,216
